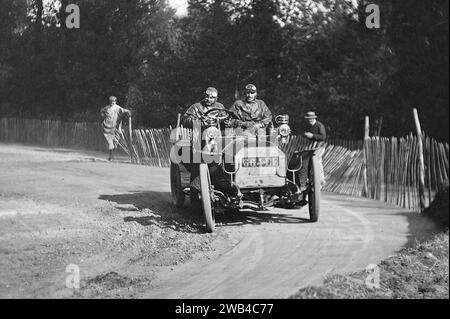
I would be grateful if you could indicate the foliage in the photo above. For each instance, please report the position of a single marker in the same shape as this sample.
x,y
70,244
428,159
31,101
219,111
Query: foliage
x,y
302,55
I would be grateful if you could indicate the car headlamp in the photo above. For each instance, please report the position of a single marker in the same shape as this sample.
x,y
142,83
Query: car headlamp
x,y
212,132
282,119
284,130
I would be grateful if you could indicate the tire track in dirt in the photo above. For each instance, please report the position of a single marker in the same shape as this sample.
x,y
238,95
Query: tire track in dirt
x,y
275,260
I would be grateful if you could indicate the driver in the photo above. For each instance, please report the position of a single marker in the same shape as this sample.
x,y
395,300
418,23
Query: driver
x,y
197,110
250,113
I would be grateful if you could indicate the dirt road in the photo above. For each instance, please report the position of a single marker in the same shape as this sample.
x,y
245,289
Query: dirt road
x,y
114,222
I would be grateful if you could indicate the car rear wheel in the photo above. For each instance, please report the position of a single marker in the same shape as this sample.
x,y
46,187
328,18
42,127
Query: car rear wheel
x,y
194,193
175,186
206,194
314,189
196,203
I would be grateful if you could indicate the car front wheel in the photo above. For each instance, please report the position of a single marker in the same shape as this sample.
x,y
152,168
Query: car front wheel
x,y
206,194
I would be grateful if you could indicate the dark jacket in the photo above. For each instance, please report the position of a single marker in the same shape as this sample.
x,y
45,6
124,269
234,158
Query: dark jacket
x,y
246,114
318,129
196,112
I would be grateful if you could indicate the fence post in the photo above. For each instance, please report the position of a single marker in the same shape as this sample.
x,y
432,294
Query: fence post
x,y
379,124
421,161
130,135
366,137
177,138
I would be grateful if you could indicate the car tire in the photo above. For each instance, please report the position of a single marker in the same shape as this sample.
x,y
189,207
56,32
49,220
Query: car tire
x,y
314,194
206,189
196,203
175,186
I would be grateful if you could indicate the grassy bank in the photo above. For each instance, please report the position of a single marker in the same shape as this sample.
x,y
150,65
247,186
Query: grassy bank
x,y
417,272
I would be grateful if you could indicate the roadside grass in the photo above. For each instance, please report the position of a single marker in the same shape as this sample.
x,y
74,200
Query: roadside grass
x,y
420,272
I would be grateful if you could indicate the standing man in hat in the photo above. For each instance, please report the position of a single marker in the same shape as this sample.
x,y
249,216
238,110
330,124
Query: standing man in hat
x,y
250,113
197,110
315,132
112,117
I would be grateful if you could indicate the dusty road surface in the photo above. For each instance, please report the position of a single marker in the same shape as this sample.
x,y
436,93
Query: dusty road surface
x,y
61,209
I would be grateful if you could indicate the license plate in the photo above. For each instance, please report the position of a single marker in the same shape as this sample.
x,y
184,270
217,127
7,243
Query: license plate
x,y
260,162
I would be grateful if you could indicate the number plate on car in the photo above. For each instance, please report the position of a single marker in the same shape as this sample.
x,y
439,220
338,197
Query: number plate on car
x,y
260,162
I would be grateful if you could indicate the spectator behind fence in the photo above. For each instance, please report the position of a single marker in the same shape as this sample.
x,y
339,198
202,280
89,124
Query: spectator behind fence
x,y
315,132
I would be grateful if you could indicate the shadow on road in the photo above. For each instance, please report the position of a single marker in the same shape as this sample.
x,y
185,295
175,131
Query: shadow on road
x,y
155,208
421,228
163,213
237,218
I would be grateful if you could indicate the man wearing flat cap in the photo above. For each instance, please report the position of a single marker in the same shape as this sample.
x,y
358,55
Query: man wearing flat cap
x,y
250,113
315,132
198,110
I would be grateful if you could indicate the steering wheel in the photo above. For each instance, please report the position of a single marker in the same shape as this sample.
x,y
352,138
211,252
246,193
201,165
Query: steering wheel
x,y
222,114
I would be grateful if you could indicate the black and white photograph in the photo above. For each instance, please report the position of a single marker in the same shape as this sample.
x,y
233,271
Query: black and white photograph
x,y
224,155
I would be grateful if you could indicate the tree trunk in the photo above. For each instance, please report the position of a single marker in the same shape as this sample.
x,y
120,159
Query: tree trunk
x,y
63,56
38,27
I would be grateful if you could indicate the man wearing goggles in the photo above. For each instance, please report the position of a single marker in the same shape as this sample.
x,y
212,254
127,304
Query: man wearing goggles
x,y
250,113
198,110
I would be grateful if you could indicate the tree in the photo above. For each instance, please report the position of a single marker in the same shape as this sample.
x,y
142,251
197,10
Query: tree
x,y
418,37
302,55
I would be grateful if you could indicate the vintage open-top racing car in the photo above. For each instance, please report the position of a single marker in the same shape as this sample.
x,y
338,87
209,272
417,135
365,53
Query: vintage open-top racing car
x,y
230,169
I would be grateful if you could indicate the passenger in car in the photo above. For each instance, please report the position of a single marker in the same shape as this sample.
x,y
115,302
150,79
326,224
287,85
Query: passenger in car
x,y
250,113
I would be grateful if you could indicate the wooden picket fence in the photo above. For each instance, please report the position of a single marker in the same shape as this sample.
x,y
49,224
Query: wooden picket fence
x,y
148,146
392,163
52,133
393,169
389,164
